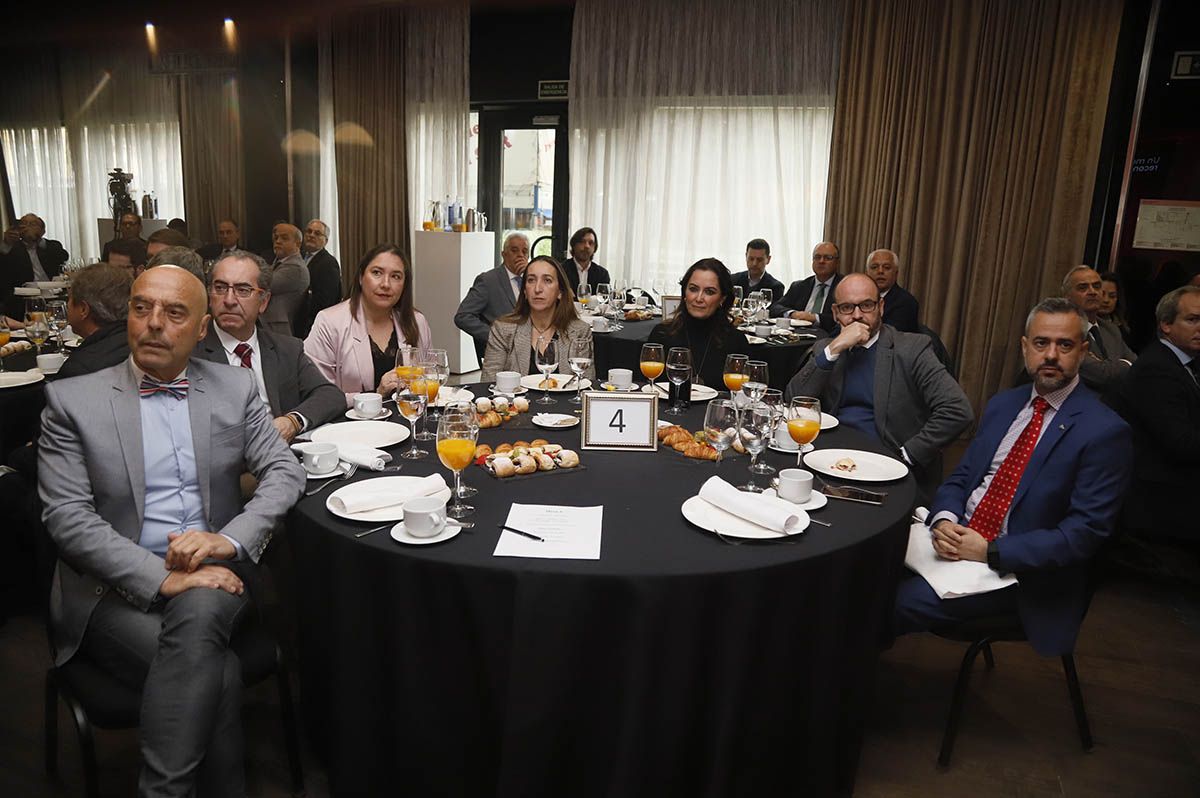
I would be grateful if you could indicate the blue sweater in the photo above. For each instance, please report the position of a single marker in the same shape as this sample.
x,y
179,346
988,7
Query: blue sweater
x,y
858,389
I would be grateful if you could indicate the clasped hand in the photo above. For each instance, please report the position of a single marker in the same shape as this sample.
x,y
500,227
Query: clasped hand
x,y
186,553
954,541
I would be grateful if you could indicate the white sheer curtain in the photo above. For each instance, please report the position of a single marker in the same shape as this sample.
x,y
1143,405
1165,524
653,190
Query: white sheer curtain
x,y
327,205
41,180
694,130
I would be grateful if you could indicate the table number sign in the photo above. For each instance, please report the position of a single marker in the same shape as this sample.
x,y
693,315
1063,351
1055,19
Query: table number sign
x,y
670,304
623,421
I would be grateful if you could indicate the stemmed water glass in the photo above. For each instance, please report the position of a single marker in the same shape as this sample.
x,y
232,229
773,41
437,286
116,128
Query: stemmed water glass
x,y
737,299
467,410
804,422
56,318
755,426
720,425
679,371
756,379
768,296
456,437
579,356
435,369
547,363
35,321
411,404
753,304
601,293
651,363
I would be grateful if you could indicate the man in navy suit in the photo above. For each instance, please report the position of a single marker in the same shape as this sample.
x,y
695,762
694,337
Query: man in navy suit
x,y
900,308
1036,493
811,299
755,278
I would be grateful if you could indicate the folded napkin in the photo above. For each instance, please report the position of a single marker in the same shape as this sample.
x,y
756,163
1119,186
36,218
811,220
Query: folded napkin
x,y
364,456
775,514
553,419
949,578
362,497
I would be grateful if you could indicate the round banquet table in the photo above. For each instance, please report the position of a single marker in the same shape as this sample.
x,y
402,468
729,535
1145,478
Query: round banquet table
x,y
676,664
20,405
622,348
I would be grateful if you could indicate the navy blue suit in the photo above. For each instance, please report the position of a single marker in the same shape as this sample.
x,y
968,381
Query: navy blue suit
x,y
767,281
901,309
1064,508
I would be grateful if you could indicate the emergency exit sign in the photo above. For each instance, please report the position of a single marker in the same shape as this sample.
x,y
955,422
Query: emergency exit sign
x,y
552,89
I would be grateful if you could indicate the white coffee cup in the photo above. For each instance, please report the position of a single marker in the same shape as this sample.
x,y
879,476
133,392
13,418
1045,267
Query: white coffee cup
x,y
642,301
51,363
507,381
620,378
783,438
600,323
783,324
795,485
762,330
368,405
424,516
320,458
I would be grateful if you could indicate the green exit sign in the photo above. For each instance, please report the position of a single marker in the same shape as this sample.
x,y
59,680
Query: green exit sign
x,y
552,89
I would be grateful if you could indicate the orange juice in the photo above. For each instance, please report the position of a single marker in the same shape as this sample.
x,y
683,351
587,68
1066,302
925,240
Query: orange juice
x,y
406,373
4,336
456,453
432,387
803,430
409,410
735,381
652,369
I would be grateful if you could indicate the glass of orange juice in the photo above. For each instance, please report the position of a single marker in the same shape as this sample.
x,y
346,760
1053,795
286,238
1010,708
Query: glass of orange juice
x,y
804,422
5,334
652,362
456,437
735,373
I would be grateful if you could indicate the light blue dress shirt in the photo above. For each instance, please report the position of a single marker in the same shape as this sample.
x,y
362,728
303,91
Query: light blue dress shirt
x,y
173,500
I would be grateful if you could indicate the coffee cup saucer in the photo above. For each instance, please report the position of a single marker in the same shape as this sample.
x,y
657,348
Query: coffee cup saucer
x,y
402,535
336,470
815,502
353,415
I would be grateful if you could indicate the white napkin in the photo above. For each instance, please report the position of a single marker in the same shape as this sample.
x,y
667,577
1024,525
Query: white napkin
x,y
948,578
766,511
363,497
364,456
552,419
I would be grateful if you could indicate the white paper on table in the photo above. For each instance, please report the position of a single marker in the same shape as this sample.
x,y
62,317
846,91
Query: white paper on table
x,y
950,578
570,533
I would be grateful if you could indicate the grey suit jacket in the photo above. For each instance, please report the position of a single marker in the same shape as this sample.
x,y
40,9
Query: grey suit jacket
x,y
918,405
93,485
1103,371
289,291
509,346
489,298
293,383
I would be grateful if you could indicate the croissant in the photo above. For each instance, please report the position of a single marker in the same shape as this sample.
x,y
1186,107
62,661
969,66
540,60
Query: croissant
x,y
567,459
700,451
503,467
526,464
544,462
663,432
678,436
489,419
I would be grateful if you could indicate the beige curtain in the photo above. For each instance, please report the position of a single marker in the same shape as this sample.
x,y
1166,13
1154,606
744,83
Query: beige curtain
x,y
369,133
966,138
211,141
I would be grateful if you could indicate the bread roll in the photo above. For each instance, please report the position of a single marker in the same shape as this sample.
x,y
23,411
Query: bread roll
x,y
482,450
500,404
483,404
544,462
504,448
522,444
525,464
521,404
567,459
551,449
503,467
538,442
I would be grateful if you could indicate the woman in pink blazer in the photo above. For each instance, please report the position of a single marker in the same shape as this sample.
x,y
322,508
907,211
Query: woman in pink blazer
x,y
354,343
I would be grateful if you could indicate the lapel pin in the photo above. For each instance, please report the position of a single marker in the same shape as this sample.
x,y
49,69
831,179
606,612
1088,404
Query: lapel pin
x,y
1062,426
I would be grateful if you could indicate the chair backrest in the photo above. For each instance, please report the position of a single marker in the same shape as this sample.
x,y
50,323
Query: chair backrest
x,y
939,349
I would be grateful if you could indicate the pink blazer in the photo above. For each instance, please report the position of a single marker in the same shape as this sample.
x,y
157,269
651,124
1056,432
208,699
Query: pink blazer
x,y
339,346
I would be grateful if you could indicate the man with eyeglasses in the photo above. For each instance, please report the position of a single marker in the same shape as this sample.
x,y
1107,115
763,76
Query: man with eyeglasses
x,y
299,396
811,299
324,272
920,409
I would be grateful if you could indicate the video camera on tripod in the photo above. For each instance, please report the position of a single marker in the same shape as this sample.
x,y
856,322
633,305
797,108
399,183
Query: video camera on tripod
x,y
119,200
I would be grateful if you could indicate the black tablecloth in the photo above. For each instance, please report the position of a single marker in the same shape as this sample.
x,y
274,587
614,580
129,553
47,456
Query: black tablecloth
x,y
621,349
676,664
20,406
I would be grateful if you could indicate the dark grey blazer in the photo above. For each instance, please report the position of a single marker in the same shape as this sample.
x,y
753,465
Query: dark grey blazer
x,y
489,298
289,291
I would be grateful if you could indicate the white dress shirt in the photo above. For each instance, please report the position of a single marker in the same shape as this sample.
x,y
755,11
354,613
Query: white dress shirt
x,y
229,343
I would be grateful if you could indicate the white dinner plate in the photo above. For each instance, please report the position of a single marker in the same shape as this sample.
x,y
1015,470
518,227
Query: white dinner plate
x,y
12,379
871,467
393,513
815,502
448,394
700,393
562,425
400,535
754,339
353,415
710,517
828,421
372,434
801,322
531,382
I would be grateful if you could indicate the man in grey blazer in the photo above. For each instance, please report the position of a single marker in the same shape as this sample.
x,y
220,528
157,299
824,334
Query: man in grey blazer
x,y
297,394
885,383
140,466
494,293
289,281
1108,357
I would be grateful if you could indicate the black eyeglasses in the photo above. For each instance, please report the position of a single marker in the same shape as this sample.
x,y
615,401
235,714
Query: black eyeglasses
x,y
846,308
825,257
241,290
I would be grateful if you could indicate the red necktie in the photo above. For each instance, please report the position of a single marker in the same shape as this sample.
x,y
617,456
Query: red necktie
x,y
988,517
243,351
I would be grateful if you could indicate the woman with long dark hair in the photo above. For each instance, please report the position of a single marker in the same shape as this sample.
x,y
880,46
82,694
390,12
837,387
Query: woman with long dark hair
x,y
1112,303
702,322
354,343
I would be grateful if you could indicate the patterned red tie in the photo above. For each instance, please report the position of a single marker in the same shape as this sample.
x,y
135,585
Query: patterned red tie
x,y
988,517
243,351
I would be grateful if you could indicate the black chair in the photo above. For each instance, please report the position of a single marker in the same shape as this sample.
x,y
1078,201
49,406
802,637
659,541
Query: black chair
x,y
96,699
939,349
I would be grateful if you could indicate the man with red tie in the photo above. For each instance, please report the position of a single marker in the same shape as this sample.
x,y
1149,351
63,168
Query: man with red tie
x,y
1036,493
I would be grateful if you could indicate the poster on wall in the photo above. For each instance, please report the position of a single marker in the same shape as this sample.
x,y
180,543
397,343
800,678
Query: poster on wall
x,y
1168,224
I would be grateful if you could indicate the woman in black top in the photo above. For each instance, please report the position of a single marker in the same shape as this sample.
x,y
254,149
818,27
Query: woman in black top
x,y
702,322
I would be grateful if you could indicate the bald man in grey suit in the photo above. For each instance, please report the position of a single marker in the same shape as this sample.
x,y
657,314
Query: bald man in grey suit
x,y
140,466
494,293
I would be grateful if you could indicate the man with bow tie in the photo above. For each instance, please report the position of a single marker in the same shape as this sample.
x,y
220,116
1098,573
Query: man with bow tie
x,y
140,466
1036,493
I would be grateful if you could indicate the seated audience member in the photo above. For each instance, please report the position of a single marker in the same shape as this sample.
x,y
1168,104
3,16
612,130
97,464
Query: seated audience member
x,y
164,238
180,226
811,299
1112,304
1161,402
128,254
900,308
324,272
702,322
755,278
96,310
129,228
925,411
182,257
544,319
297,394
1036,494
229,238
1109,357
494,292
289,281
27,255
355,342
581,266
155,558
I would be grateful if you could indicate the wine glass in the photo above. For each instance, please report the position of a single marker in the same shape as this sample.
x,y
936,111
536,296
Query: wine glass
x,y
583,293
408,366
547,364
35,321
651,363
720,425
679,371
411,404
804,422
735,372
579,355
456,437
755,425
753,304
5,335
738,294
434,371
756,379
767,297
601,293
467,410
56,318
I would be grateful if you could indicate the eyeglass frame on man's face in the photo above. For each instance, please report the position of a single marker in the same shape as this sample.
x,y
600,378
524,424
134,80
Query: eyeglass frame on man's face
x,y
847,308
824,257
240,290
